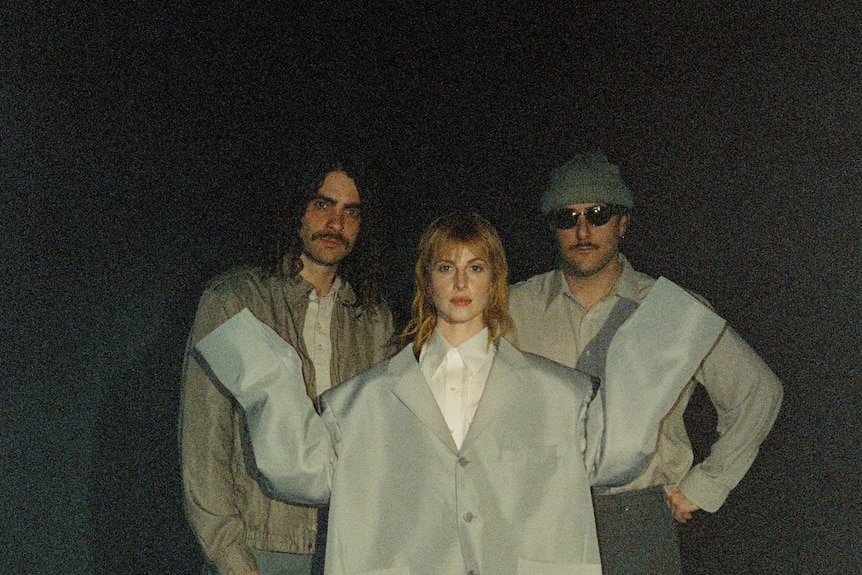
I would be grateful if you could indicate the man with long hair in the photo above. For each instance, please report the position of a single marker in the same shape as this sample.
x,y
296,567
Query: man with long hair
x,y
339,325
459,454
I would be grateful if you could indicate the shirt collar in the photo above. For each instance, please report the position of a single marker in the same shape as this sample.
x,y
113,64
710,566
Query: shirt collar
x,y
336,285
474,352
625,287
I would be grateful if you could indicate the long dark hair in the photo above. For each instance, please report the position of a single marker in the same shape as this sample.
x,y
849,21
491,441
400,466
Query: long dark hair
x,y
361,268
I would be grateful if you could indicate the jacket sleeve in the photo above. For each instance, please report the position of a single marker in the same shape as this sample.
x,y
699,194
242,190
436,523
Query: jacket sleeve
x,y
292,447
207,429
386,343
747,396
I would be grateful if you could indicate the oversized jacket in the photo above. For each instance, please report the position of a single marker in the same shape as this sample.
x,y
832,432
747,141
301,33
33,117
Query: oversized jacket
x,y
514,499
225,505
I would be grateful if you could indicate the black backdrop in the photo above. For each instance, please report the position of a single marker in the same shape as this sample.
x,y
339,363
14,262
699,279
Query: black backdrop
x,y
142,146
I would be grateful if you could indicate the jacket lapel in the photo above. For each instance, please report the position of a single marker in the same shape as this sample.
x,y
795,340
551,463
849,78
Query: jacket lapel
x,y
413,391
498,393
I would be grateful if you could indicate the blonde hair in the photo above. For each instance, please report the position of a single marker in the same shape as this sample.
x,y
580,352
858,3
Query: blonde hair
x,y
440,237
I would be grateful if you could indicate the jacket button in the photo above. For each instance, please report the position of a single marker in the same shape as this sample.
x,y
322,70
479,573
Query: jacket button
x,y
468,517
463,461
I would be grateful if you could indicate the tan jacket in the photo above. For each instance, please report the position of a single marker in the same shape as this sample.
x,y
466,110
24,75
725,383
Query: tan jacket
x,y
514,500
227,509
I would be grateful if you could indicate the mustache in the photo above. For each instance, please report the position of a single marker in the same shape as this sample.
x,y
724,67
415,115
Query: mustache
x,y
330,236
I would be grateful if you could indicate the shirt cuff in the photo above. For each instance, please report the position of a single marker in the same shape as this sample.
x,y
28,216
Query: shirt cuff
x,y
703,491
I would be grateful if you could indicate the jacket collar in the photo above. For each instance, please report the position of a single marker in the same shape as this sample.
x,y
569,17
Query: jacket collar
x,y
297,290
414,392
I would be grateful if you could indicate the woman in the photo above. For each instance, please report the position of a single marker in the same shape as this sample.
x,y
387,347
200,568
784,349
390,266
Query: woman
x,y
458,455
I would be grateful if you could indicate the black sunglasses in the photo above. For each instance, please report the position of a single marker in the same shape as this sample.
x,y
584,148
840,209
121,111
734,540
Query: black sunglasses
x,y
598,215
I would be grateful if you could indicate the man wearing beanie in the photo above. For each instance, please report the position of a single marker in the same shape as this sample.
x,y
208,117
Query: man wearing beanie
x,y
646,343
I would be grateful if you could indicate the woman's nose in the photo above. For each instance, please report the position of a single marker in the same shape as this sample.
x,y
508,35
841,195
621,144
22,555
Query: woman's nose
x,y
460,279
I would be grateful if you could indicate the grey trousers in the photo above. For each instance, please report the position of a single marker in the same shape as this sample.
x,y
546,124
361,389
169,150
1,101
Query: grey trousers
x,y
272,563
637,533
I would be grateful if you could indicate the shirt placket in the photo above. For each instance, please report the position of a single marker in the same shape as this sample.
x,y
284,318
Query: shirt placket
x,y
455,393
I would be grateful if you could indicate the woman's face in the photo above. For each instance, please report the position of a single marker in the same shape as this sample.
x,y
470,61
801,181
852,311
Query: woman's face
x,y
460,288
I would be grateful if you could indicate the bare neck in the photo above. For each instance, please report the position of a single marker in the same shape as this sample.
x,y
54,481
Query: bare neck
x,y
320,276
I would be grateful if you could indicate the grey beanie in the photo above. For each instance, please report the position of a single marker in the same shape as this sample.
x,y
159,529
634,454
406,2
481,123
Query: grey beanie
x,y
586,179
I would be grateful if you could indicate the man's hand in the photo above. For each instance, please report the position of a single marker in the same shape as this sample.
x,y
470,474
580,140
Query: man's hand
x,y
680,506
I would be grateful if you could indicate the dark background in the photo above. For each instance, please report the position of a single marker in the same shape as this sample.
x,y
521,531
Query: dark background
x,y
143,145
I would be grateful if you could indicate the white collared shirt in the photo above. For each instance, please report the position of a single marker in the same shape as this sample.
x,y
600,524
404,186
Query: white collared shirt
x,y
316,335
457,377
